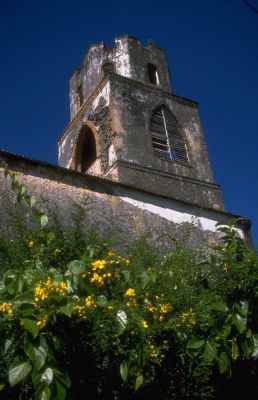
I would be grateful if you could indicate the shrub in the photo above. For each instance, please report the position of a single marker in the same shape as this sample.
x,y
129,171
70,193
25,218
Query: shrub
x,y
76,315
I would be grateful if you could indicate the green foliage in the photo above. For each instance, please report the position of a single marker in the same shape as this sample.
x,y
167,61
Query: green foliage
x,y
66,298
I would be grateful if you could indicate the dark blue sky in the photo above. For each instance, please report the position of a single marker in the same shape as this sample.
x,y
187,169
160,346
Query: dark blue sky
x,y
212,51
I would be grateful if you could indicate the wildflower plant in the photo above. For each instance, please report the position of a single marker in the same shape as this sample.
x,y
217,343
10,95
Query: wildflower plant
x,y
134,311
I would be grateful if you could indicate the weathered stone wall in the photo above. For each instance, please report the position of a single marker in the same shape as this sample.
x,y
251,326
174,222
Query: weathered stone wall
x,y
120,110
129,60
98,112
111,206
132,106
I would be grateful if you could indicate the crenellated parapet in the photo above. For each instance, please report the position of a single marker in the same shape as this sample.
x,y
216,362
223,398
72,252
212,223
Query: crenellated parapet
x,y
127,58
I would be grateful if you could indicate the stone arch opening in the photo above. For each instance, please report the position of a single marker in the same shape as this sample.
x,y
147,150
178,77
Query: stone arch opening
x,y
153,74
86,150
108,68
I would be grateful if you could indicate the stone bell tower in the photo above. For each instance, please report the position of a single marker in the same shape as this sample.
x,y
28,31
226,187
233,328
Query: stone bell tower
x,y
127,125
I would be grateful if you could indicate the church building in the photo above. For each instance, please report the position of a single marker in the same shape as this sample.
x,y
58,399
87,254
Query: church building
x,y
133,148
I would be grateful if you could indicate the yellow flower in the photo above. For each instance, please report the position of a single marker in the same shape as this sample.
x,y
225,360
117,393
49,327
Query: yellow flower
x,y
111,253
145,324
96,278
42,322
164,308
80,310
130,292
30,244
49,283
40,293
131,303
161,318
98,264
150,308
89,302
107,275
6,308
61,288
189,317
57,251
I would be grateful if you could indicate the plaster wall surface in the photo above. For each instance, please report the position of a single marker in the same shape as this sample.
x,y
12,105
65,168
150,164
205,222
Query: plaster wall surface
x,y
111,206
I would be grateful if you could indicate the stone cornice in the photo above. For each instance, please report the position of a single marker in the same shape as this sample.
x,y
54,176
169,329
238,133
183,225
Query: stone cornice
x,y
154,89
127,81
166,174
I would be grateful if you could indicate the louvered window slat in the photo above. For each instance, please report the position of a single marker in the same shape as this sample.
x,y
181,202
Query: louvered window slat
x,y
167,140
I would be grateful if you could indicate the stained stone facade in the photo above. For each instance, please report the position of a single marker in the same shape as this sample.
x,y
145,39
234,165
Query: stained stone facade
x,y
133,147
118,107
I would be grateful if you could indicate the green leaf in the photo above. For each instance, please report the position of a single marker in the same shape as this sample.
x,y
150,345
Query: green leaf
x,y
27,310
223,362
144,279
255,345
45,394
127,275
153,276
246,348
37,354
47,376
242,308
2,385
61,384
224,331
18,373
67,309
23,190
124,368
31,326
2,286
7,345
91,250
222,307
25,297
33,201
43,220
76,267
234,350
239,322
50,237
39,266
60,390
209,351
101,301
121,319
138,382
195,344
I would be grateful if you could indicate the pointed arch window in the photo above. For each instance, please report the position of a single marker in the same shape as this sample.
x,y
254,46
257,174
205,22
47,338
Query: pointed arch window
x,y
86,152
167,140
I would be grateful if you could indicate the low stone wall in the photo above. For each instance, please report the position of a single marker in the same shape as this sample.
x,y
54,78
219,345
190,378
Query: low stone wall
x,y
111,206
